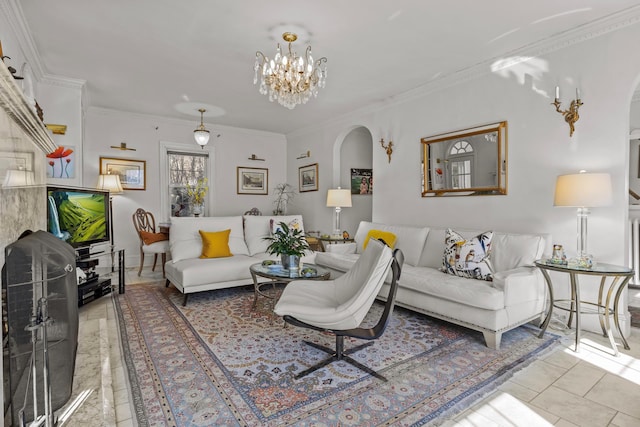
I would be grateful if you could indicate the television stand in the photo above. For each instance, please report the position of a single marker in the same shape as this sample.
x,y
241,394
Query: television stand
x,y
93,289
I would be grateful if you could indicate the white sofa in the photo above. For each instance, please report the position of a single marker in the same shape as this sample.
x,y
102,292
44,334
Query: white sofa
x,y
516,295
189,273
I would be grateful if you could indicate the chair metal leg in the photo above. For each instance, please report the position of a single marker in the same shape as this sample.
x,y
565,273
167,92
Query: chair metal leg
x,y
339,354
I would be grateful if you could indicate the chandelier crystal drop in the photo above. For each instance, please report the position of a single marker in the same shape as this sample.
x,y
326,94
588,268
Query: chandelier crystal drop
x,y
289,78
201,134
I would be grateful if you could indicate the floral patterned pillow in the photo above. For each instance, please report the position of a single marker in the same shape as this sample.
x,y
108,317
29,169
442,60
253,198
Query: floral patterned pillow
x,y
467,257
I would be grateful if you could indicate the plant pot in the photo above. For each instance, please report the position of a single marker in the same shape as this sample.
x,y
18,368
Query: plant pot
x,y
290,262
197,210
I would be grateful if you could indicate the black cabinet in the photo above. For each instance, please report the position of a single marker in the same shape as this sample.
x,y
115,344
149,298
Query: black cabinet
x,y
93,289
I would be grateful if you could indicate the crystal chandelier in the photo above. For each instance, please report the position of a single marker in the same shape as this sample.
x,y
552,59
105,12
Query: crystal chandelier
x,y
289,78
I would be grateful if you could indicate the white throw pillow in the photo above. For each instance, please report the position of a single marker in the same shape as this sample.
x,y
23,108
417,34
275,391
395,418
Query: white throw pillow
x,y
467,257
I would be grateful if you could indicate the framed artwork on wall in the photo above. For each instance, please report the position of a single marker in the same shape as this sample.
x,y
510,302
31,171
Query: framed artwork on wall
x,y
132,172
361,181
308,177
62,162
253,180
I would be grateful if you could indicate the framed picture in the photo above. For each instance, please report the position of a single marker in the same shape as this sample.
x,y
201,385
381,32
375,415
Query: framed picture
x,y
308,177
132,172
361,181
62,162
253,180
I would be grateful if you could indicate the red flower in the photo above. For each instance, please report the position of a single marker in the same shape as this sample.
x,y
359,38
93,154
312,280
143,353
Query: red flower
x,y
51,163
439,171
59,153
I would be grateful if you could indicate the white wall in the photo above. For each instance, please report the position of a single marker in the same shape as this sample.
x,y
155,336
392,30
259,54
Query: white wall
x,y
539,146
104,128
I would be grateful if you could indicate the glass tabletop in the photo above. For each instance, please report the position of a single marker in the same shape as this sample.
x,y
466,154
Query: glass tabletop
x,y
275,271
597,268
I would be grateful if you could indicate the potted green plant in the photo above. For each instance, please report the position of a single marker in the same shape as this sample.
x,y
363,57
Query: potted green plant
x,y
289,243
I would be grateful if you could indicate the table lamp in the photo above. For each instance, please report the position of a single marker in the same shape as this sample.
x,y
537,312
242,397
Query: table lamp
x,y
583,191
110,183
338,198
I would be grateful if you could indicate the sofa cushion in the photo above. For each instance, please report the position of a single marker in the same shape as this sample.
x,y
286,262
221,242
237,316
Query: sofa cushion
x,y
256,228
196,271
467,257
388,237
185,241
409,239
215,244
509,250
474,293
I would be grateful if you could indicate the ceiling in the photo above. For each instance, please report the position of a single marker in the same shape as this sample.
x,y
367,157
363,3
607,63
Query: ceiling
x,y
148,56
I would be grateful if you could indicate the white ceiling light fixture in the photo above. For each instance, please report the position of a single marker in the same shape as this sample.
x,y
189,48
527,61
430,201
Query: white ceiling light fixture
x,y
290,79
201,134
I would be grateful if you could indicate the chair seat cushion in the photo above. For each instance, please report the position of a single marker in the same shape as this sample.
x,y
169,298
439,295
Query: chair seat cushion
x,y
149,238
156,248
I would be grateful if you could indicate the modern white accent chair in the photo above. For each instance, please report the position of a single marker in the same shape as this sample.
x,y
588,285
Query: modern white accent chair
x,y
339,306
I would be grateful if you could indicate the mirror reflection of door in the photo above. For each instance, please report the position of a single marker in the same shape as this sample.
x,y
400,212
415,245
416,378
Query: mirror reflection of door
x,y
460,162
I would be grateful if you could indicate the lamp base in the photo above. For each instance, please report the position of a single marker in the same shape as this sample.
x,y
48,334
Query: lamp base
x,y
581,261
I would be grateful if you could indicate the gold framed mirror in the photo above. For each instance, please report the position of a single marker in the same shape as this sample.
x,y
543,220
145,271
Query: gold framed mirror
x,y
467,162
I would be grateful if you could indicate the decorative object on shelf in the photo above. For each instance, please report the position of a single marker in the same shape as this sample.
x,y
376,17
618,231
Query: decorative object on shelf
x,y
466,162
583,191
361,181
558,257
388,148
290,79
284,194
201,134
132,172
123,147
56,129
345,235
571,115
338,198
11,69
65,167
254,157
252,180
110,183
308,178
196,195
304,155
288,242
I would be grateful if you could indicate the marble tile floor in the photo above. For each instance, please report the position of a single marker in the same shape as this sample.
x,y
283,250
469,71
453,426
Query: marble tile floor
x,y
562,388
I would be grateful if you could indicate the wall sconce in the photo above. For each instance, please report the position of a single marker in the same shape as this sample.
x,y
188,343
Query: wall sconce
x,y
304,155
571,115
254,157
388,148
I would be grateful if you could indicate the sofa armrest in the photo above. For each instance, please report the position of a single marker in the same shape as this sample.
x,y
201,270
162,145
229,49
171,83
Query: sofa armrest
x,y
341,248
520,284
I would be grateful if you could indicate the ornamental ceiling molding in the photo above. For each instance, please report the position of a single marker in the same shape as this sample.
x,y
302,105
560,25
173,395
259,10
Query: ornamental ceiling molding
x,y
592,30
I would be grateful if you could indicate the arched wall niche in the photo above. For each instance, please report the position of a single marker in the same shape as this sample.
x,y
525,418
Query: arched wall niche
x,y
353,149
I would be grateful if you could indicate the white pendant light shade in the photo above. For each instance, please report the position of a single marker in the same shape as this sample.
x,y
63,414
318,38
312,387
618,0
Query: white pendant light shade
x,y
201,134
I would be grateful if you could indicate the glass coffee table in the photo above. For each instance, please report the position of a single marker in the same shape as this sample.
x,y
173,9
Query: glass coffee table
x,y
277,274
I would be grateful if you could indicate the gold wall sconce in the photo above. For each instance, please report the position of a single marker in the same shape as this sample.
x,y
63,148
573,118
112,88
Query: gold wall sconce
x,y
388,148
57,129
254,157
571,115
304,155
123,147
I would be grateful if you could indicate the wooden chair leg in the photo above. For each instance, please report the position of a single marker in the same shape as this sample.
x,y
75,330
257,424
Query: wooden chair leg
x,y
155,260
164,260
141,262
167,283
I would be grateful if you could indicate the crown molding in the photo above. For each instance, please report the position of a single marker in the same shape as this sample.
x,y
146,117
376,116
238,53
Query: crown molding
x,y
66,82
15,17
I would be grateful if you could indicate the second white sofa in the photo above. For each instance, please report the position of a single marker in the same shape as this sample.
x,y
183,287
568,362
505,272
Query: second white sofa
x,y
516,295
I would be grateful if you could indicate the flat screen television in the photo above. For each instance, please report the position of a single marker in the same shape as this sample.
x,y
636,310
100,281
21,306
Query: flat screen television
x,y
79,216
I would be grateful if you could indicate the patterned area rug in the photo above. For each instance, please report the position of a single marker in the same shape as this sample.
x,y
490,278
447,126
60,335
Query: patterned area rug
x,y
219,361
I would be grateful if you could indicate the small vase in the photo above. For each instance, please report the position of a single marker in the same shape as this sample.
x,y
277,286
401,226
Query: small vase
x,y
197,210
290,262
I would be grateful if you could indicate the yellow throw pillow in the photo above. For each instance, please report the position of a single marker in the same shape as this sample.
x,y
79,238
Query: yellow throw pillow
x,y
388,237
215,244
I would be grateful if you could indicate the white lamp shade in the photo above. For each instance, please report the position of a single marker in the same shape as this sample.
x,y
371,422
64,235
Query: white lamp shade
x,y
339,198
18,178
201,136
110,183
583,190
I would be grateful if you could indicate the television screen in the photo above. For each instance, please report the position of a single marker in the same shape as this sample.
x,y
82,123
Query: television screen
x,y
78,216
